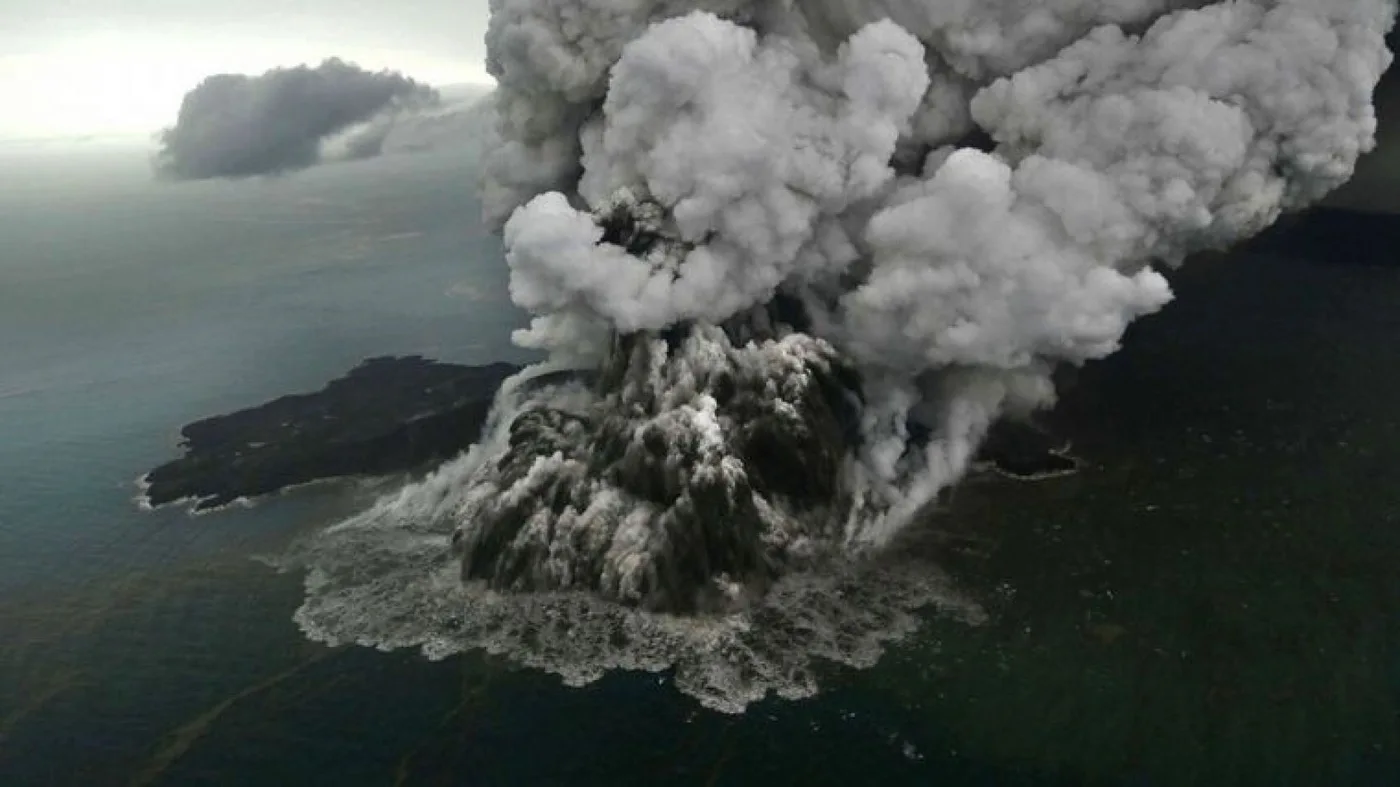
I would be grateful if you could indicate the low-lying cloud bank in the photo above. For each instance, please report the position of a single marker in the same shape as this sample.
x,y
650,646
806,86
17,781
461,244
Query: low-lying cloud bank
x,y
286,119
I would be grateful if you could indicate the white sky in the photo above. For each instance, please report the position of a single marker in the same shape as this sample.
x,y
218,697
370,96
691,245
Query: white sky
x,y
90,67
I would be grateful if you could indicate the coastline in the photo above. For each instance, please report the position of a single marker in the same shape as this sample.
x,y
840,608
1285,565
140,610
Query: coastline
x,y
387,415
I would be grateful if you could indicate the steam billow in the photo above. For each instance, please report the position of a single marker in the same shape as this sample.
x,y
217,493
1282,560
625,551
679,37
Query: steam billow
x,y
789,261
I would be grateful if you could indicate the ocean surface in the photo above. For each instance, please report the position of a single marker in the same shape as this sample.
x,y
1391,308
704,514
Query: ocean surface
x,y
1213,599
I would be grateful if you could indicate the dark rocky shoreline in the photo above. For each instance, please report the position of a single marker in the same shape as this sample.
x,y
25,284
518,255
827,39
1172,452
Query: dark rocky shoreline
x,y
1024,451
387,415
397,414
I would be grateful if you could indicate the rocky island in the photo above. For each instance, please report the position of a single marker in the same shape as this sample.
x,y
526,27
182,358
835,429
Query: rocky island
x,y
388,415
397,414
1025,451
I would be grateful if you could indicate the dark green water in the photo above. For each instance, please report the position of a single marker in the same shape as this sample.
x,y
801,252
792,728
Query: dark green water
x,y
1212,600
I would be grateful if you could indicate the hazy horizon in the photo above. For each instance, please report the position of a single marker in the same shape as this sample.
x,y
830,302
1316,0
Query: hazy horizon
x,y
90,68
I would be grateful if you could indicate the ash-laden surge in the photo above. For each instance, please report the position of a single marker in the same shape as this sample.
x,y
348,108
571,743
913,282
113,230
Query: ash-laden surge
x,y
697,470
957,199
387,415
390,577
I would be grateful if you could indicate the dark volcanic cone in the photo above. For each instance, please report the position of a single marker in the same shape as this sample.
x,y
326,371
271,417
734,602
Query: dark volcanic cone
x,y
698,463
694,471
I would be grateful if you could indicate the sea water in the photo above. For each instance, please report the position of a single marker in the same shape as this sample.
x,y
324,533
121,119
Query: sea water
x,y
1211,600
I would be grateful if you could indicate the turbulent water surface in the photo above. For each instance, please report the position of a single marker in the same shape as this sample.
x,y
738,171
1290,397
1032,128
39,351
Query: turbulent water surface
x,y
1210,599
802,257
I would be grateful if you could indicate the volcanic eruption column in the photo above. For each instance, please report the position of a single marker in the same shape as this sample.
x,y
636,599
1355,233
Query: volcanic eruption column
x,y
811,250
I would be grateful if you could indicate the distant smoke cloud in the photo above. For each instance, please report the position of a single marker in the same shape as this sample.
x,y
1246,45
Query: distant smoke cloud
x,y
464,121
234,125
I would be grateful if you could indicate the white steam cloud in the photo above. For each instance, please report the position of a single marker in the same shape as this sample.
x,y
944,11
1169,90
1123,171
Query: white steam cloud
x,y
882,223
1125,133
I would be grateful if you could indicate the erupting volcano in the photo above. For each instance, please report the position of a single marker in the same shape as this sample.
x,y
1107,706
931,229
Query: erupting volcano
x,y
789,261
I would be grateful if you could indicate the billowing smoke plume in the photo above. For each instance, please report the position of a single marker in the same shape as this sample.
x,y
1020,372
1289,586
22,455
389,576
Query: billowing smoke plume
x,y
233,125
803,253
759,142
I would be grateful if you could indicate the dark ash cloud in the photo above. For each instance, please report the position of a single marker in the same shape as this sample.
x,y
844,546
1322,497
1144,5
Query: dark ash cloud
x,y
234,125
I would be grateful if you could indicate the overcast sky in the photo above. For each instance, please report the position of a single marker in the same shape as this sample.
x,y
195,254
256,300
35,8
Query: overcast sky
x,y
72,67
